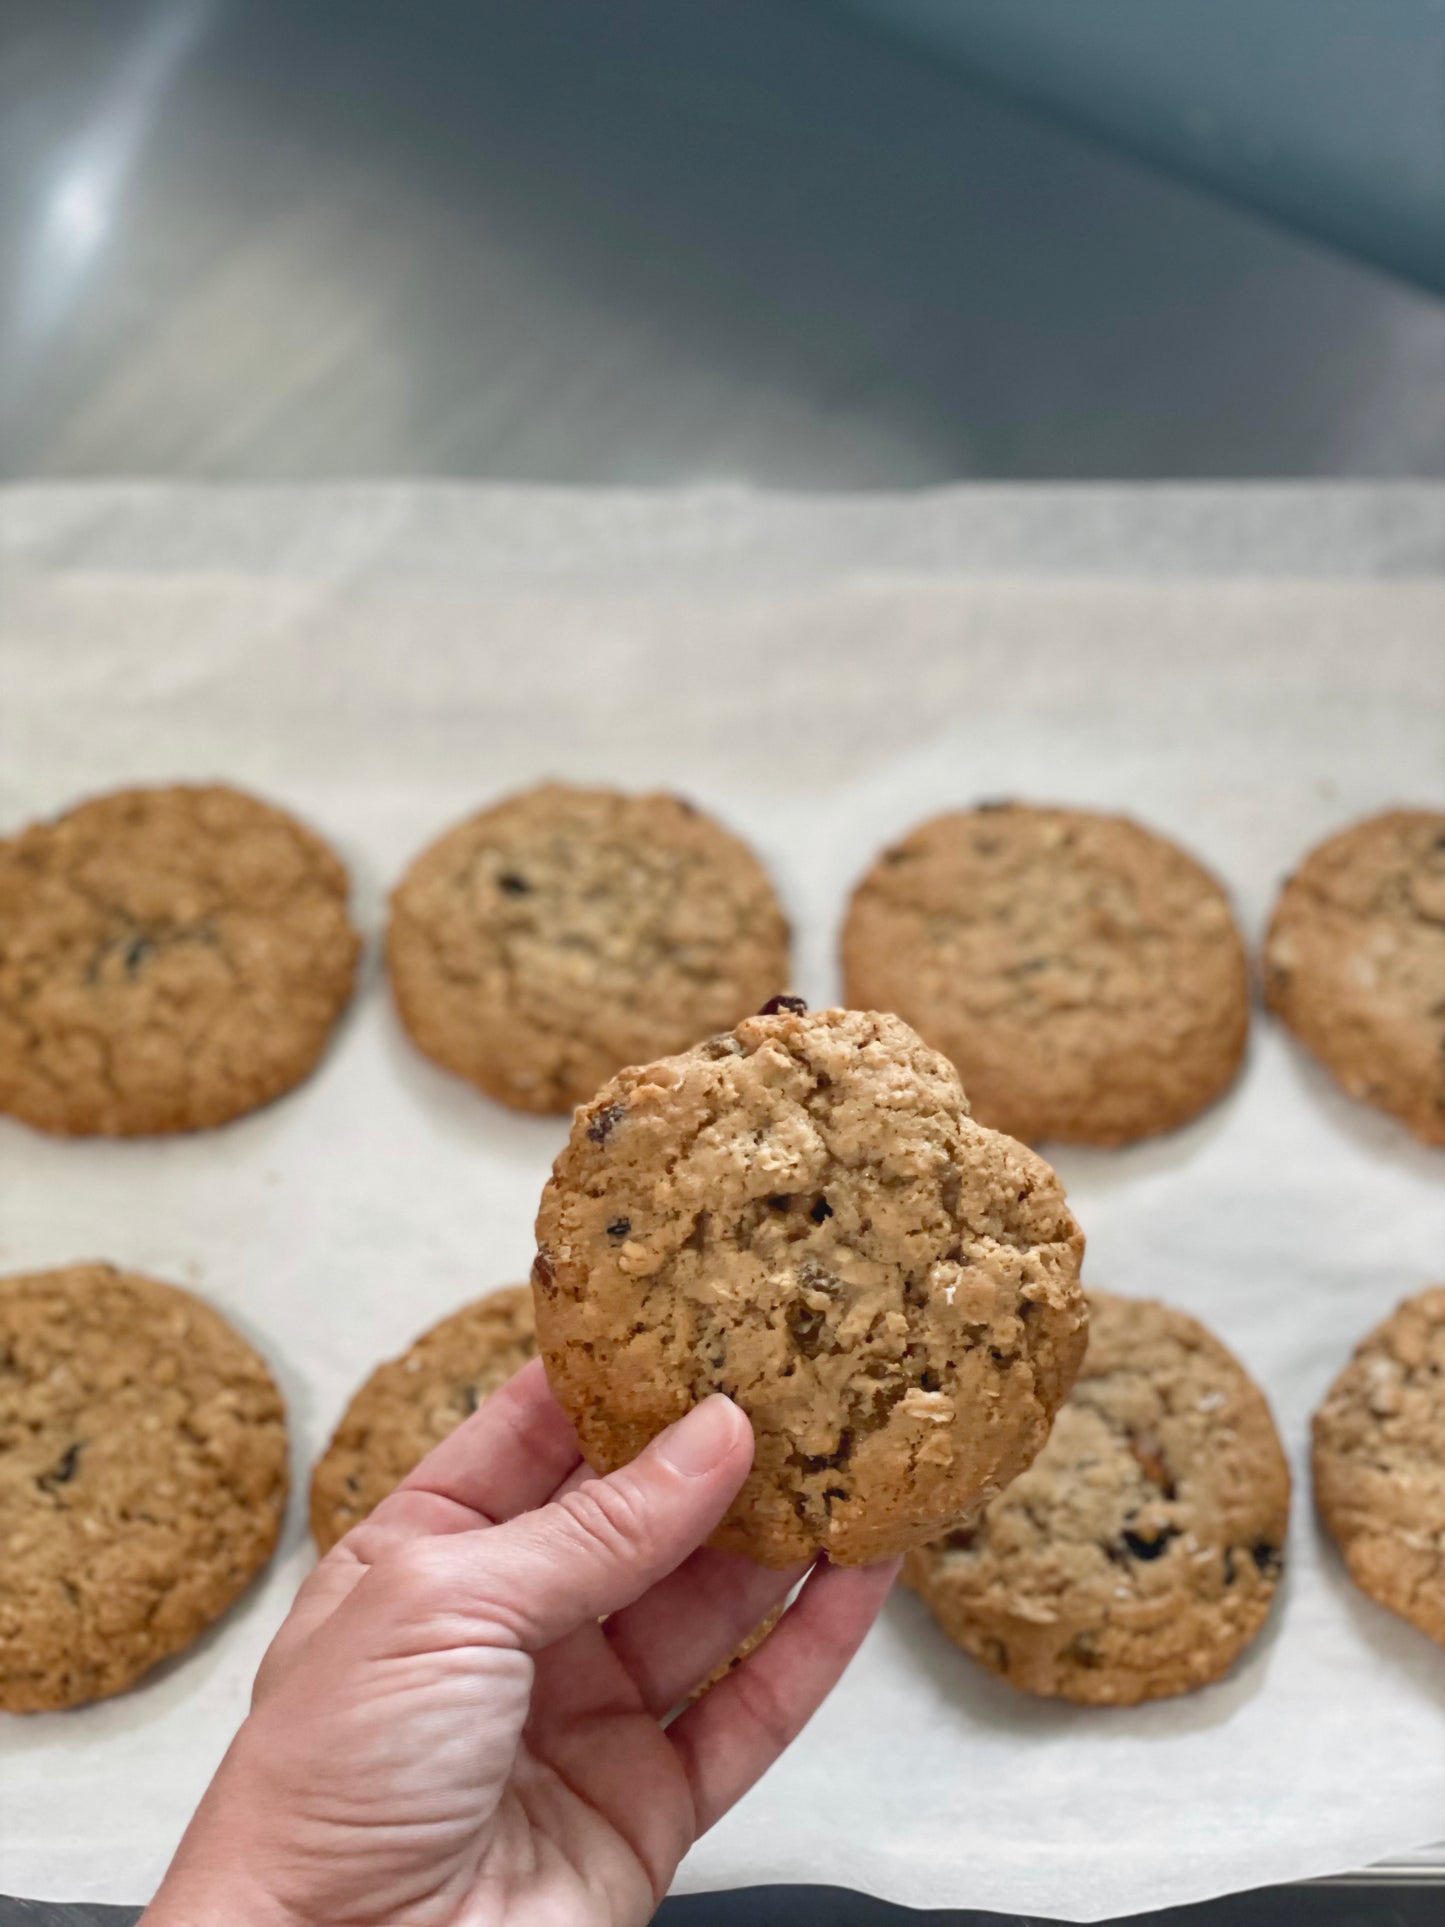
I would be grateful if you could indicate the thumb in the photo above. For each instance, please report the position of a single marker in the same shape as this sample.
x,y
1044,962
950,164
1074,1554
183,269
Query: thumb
x,y
601,1545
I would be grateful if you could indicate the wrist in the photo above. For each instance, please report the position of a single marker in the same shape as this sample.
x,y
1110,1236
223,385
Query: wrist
x,y
191,1903
217,1877
199,1897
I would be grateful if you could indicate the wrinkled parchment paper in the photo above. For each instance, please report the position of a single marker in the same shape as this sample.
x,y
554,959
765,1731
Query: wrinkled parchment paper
x,y
1244,669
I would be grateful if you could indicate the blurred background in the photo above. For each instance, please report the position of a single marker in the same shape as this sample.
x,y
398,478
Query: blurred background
x,y
844,244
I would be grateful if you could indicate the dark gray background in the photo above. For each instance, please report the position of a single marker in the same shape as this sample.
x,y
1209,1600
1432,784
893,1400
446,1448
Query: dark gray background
x,y
1330,113
1393,1906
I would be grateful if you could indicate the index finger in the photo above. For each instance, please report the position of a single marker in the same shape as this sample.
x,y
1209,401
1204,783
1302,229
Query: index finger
x,y
507,1458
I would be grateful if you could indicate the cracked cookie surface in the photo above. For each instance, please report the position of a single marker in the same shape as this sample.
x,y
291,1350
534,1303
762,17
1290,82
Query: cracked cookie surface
x,y
1138,1556
143,1479
539,946
1085,975
169,959
1355,963
411,1403
802,1214
1379,1462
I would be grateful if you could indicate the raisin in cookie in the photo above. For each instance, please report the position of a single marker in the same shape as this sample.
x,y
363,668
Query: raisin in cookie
x,y
537,948
1379,1462
411,1403
1138,1555
1085,975
802,1214
169,959
1355,963
142,1479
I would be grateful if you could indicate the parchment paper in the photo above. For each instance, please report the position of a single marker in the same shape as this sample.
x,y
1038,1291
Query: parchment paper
x,y
822,674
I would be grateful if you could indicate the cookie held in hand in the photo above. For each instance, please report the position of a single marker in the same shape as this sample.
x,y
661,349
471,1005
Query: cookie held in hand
x,y
802,1214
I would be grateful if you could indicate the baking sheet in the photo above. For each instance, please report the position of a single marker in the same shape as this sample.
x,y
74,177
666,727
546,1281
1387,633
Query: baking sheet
x,y
822,674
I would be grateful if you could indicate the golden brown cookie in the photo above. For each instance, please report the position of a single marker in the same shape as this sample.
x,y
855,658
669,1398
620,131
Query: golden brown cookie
x,y
1379,1462
1355,963
802,1214
1085,975
411,1403
537,948
1138,1555
169,959
142,1479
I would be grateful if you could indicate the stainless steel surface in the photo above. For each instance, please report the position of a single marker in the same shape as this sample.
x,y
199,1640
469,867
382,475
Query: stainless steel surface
x,y
651,241
1324,112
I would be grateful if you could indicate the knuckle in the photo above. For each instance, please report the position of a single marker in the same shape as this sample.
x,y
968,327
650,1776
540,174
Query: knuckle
x,y
416,1571
606,1516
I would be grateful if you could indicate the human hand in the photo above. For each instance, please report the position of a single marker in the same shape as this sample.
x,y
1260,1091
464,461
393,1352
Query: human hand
x,y
444,1735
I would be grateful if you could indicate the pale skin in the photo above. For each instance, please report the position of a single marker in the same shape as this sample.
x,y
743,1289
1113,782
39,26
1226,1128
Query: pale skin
x,y
445,1733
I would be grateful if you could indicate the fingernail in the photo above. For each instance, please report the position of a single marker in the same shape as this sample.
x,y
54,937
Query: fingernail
x,y
696,1443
